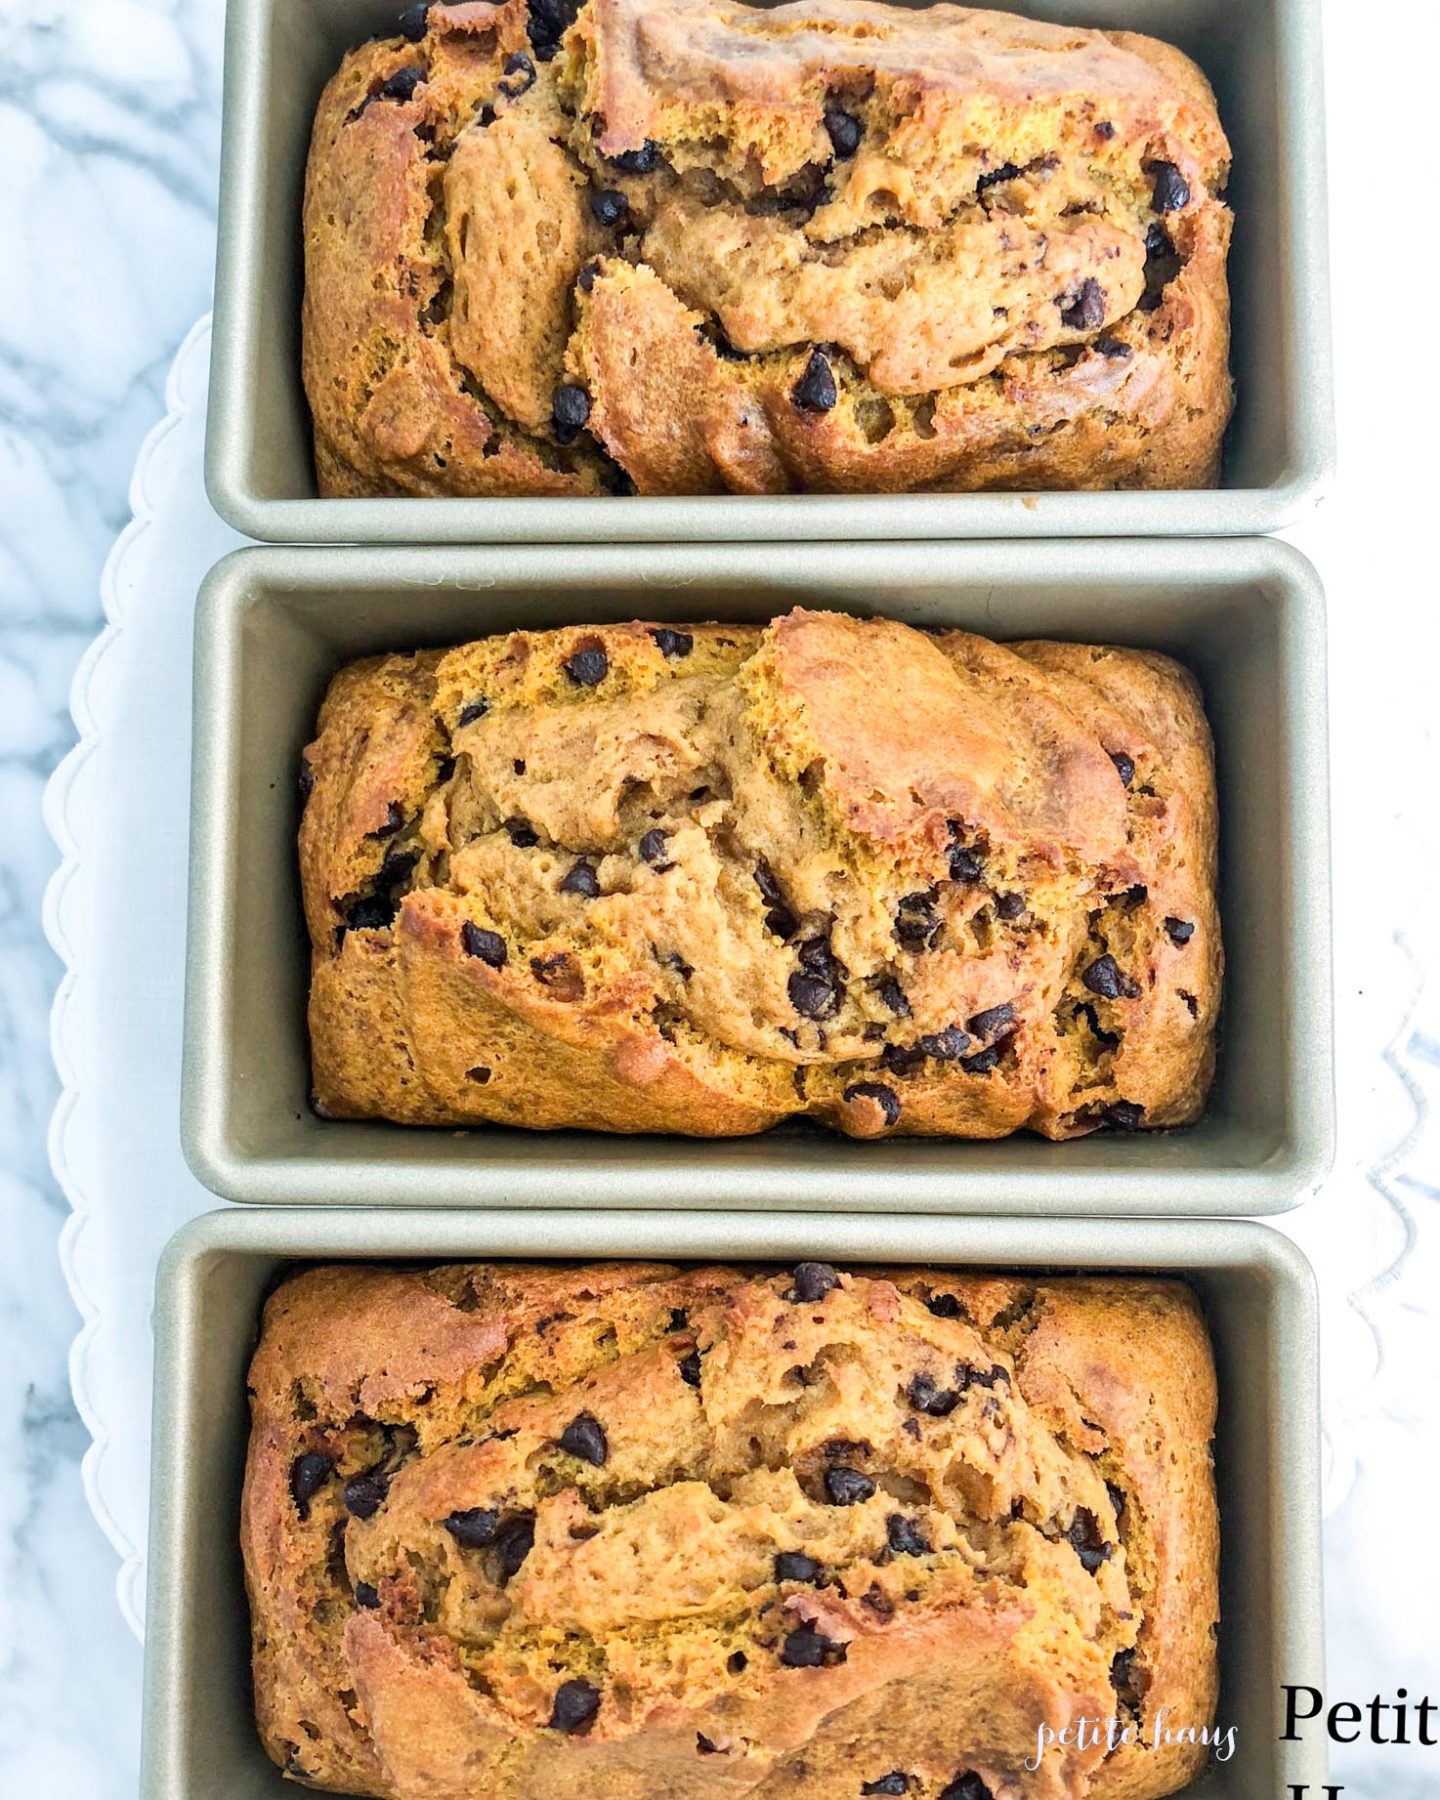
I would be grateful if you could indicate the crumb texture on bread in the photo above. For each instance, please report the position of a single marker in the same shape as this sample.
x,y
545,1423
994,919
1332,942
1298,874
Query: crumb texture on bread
x,y
641,1532
700,879
693,246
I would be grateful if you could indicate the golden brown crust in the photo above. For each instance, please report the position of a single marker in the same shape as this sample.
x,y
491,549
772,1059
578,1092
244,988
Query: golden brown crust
x,y
1004,241
625,880
470,1486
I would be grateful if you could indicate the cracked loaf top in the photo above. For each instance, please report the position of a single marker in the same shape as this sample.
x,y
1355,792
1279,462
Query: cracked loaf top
x,y
653,878
644,1533
686,246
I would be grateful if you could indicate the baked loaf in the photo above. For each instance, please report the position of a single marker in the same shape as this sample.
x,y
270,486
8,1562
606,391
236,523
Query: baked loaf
x,y
646,878
690,246
642,1533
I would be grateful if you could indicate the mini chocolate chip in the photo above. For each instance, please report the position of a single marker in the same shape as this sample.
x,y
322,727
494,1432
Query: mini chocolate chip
x,y
1006,172
585,280
893,996
513,1543
807,1648
1087,1540
966,865
896,1782
474,1528
403,83
816,391
308,1474
673,643
638,162
690,1369
569,410
945,1306
844,131
1179,931
1124,765
948,1045
522,833
413,23
394,820
366,1596
372,912
811,997
587,668
518,74
1084,310
652,848
364,1495
905,1536
585,1437
983,1061
845,1486
968,1376
608,207
968,1786
576,1704
1010,906
995,1021
1104,130
916,923
1171,190
795,1565
580,878
926,1396
1123,1676
1108,980
548,22
813,1281
1124,1115
884,1097
489,946
1114,349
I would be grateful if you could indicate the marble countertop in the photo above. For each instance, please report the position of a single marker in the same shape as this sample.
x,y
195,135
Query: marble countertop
x,y
109,134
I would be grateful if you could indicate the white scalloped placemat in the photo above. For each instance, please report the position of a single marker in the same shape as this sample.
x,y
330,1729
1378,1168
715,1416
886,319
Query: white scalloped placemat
x,y
117,808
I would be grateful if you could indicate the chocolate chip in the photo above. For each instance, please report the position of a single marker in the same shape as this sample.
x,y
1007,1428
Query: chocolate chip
x,y
995,1021
585,280
580,878
966,865
1131,897
1114,349
816,391
1162,264
587,668
844,131
1108,980
673,643
1087,1540
372,912
517,74
513,1543
884,1097
473,1529
1006,172
638,162
1179,931
1124,1115
703,1745
795,1565
948,1045
813,1281
895,1782
1126,1679
1085,309
394,820
403,83
967,1787
807,1648
982,1062
585,1437
926,1396
690,1369
608,207
845,1486
549,21
967,1375
366,1596
1171,190
569,410
905,1536
413,23
652,848
916,923
893,996
1124,765
1104,130
576,1704
1010,906
308,1474
489,946
945,1306
811,997
364,1495
522,833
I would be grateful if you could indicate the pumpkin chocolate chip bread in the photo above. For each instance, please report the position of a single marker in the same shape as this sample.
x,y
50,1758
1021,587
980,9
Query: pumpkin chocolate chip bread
x,y
647,1533
645,878
691,246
